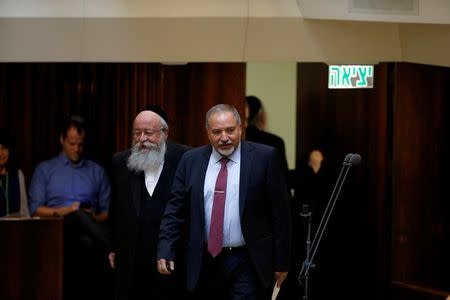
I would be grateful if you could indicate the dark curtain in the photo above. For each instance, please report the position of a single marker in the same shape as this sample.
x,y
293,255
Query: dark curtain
x,y
34,97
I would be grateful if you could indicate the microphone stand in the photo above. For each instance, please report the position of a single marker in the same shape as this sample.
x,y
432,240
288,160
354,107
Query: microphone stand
x,y
307,214
349,161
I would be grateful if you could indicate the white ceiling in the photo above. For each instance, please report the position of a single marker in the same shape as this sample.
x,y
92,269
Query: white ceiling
x,y
399,11
221,30
427,11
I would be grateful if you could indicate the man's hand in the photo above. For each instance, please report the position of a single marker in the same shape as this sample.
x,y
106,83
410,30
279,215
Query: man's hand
x,y
75,206
279,278
45,211
112,259
165,267
101,217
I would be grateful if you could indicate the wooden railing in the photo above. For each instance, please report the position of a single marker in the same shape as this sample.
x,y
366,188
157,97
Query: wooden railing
x,y
408,291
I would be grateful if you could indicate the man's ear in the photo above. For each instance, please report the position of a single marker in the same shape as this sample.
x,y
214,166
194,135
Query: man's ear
x,y
262,115
61,139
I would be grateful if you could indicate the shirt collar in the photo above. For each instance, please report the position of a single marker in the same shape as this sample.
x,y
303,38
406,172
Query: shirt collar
x,y
234,157
63,158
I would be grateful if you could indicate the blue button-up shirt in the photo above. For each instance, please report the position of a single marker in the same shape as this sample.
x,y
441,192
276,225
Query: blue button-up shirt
x,y
57,183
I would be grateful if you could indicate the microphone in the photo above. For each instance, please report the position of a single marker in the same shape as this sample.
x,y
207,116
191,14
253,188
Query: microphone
x,y
352,159
355,159
305,211
348,157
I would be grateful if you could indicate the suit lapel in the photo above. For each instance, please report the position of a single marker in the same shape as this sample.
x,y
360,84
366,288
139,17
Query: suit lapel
x,y
136,180
202,174
167,172
246,163
162,180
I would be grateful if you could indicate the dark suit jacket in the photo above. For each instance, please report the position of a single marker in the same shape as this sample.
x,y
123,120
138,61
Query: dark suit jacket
x,y
125,206
264,211
256,135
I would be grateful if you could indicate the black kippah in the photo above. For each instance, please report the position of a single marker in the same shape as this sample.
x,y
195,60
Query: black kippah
x,y
157,110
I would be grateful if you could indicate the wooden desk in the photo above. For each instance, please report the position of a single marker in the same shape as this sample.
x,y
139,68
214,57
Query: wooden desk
x,y
31,258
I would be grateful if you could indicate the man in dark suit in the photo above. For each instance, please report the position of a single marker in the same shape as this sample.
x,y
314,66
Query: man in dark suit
x,y
141,181
255,131
254,219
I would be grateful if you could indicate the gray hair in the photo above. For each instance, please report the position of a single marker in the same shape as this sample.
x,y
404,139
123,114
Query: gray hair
x,y
221,108
164,125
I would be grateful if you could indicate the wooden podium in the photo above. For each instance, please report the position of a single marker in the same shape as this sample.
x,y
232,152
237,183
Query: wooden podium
x,y
31,258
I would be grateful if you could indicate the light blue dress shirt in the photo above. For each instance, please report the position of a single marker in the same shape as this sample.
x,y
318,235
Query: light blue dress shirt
x,y
57,182
232,232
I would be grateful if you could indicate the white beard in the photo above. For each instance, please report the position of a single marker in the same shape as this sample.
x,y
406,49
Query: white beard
x,y
146,156
226,152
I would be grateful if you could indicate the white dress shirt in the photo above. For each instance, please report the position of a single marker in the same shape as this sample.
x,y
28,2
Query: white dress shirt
x,y
151,178
232,232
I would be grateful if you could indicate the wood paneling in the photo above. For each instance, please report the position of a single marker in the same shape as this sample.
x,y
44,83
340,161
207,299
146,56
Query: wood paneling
x,y
393,220
354,253
32,259
421,237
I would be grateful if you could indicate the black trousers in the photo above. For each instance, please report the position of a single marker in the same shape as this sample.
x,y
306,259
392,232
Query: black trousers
x,y
230,275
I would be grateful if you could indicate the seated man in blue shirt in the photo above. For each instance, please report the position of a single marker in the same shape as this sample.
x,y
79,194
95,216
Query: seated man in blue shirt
x,y
77,189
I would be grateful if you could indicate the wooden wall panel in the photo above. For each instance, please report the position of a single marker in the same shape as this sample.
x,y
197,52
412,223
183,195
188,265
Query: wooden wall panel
x,y
421,210
397,210
354,254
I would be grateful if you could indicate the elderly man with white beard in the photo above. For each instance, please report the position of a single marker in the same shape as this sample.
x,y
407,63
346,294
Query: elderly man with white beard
x,y
141,180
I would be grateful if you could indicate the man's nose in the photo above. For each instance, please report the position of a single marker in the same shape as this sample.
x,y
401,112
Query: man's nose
x,y
143,137
224,136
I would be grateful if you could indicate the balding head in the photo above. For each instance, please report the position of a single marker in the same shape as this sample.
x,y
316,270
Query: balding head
x,y
149,141
150,119
149,126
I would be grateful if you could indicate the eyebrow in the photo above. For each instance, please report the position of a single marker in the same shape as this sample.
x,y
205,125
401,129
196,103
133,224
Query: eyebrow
x,y
222,129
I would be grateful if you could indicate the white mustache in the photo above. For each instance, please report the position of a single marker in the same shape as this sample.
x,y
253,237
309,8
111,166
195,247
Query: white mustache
x,y
148,158
148,145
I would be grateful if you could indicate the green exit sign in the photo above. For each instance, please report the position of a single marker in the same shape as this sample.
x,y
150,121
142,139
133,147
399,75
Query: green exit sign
x,y
350,76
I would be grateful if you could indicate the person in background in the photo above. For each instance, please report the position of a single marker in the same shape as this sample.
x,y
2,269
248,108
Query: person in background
x,y
256,119
141,181
13,197
233,198
313,185
78,190
312,190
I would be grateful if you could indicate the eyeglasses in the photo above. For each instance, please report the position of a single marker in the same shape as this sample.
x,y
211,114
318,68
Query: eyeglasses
x,y
137,133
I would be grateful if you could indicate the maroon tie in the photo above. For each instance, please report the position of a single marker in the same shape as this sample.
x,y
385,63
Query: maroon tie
x,y
216,227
